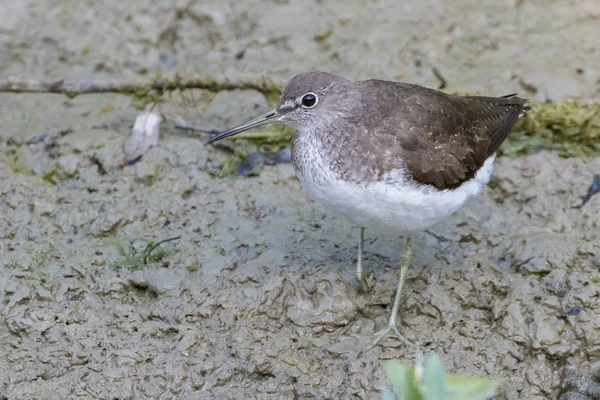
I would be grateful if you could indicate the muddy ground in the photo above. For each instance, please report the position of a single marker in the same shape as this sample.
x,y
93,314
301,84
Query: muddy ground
x,y
257,299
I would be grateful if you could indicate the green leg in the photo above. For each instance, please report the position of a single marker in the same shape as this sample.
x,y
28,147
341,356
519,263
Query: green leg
x,y
392,329
365,283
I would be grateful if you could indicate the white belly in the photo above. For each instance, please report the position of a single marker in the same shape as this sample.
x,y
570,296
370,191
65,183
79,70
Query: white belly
x,y
391,206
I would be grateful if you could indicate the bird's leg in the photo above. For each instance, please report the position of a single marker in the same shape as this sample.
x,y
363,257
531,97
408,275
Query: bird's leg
x,y
392,329
365,283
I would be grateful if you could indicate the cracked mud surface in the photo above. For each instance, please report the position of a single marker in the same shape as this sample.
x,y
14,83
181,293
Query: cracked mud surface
x,y
257,299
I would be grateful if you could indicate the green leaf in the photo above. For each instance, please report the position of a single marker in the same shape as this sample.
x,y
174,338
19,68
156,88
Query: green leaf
x,y
434,384
404,380
470,387
433,378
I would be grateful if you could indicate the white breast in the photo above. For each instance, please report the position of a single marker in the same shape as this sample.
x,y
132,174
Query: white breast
x,y
391,206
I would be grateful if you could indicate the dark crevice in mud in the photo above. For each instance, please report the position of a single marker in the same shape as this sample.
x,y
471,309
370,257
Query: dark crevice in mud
x,y
142,289
96,161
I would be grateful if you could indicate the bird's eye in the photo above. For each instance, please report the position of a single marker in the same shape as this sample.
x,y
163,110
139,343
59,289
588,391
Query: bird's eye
x,y
309,100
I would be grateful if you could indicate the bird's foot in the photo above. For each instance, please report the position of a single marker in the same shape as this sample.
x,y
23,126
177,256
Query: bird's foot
x,y
366,283
390,331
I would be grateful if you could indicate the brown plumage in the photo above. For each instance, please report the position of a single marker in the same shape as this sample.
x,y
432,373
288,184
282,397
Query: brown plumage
x,y
440,139
372,127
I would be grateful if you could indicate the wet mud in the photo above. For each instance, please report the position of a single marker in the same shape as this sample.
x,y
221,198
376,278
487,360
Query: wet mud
x,y
257,298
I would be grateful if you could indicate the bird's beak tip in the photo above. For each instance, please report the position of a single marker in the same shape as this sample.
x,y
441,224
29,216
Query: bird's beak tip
x,y
269,117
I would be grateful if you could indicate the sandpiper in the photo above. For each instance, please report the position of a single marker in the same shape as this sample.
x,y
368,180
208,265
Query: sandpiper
x,y
389,156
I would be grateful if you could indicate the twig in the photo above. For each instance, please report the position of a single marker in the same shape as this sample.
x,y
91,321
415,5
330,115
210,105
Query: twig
x,y
46,138
261,83
517,267
440,78
592,190
158,244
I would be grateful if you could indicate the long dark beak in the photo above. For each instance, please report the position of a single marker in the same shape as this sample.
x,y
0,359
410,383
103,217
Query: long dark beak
x,y
267,118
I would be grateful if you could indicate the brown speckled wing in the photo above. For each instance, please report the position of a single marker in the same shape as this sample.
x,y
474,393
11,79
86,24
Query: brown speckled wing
x,y
439,139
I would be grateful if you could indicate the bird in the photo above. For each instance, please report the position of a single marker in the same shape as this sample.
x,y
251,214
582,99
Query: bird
x,y
392,157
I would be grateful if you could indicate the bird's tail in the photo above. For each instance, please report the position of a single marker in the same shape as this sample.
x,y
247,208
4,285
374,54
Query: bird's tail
x,y
525,107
